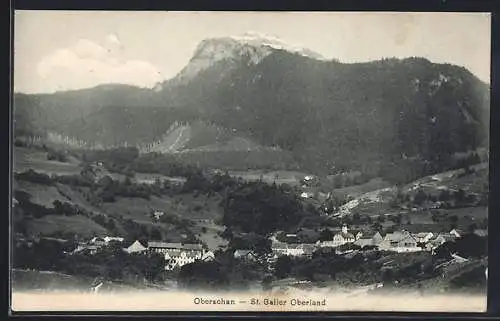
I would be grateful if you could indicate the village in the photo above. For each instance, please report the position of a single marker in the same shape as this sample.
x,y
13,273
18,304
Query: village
x,y
345,241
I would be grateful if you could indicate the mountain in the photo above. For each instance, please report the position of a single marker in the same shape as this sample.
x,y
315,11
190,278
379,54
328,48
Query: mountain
x,y
328,115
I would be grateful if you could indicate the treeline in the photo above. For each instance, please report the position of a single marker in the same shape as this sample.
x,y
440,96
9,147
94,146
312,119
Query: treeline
x,y
262,208
403,171
224,273
110,263
447,199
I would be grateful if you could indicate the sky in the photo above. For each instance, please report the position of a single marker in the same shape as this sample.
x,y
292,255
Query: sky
x,y
67,50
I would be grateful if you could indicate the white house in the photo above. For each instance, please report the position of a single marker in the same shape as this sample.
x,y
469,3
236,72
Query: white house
x,y
244,254
456,233
423,237
178,259
369,239
177,254
340,238
108,239
298,249
158,214
306,195
135,247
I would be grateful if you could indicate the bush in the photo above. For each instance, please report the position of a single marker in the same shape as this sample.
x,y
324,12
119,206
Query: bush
x,y
34,177
57,156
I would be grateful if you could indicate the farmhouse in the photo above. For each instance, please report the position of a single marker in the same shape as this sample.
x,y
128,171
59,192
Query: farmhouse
x,y
86,248
423,237
178,254
178,259
369,239
456,233
244,254
135,247
340,238
481,232
399,241
297,249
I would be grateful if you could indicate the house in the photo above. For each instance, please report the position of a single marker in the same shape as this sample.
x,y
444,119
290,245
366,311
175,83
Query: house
x,y
308,249
423,237
306,195
85,248
456,233
208,256
340,238
399,241
108,239
281,248
298,249
439,239
135,247
98,241
178,259
369,239
481,232
177,254
244,254
158,214
443,237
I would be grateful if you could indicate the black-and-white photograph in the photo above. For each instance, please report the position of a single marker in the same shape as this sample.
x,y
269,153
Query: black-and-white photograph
x,y
250,161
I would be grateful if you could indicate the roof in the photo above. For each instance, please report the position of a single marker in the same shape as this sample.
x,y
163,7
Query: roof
x,y
418,228
481,232
243,252
422,234
364,241
192,247
165,245
135,247
178,246
447,237
346,235
398,236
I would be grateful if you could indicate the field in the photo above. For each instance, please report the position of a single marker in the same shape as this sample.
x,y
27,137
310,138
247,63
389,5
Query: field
x,y
40,194
26,158
358,190
209,236
280,177
475,182
79,225
47,281
186,206
148,178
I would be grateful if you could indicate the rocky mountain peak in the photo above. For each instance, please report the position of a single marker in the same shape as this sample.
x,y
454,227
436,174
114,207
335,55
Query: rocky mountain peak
x,y
251,47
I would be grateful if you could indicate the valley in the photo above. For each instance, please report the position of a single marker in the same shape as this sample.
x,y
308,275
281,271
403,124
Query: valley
x,y
258,165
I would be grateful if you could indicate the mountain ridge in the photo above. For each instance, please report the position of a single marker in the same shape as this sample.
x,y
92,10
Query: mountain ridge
x,y
328,114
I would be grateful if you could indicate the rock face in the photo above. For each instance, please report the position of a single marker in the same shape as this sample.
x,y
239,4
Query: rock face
x,y
250,48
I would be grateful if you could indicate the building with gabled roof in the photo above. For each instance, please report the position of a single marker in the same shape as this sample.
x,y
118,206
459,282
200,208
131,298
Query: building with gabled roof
x,y
340,238
423,237
481,232
135,247
244,254
400,241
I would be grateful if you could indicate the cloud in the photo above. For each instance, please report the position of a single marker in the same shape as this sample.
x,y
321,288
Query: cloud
x,y
113,39
87,64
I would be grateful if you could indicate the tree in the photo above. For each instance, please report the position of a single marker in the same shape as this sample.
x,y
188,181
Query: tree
x,y
420,197
156,234
459,195
444,196
326,235
283,266
377,226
